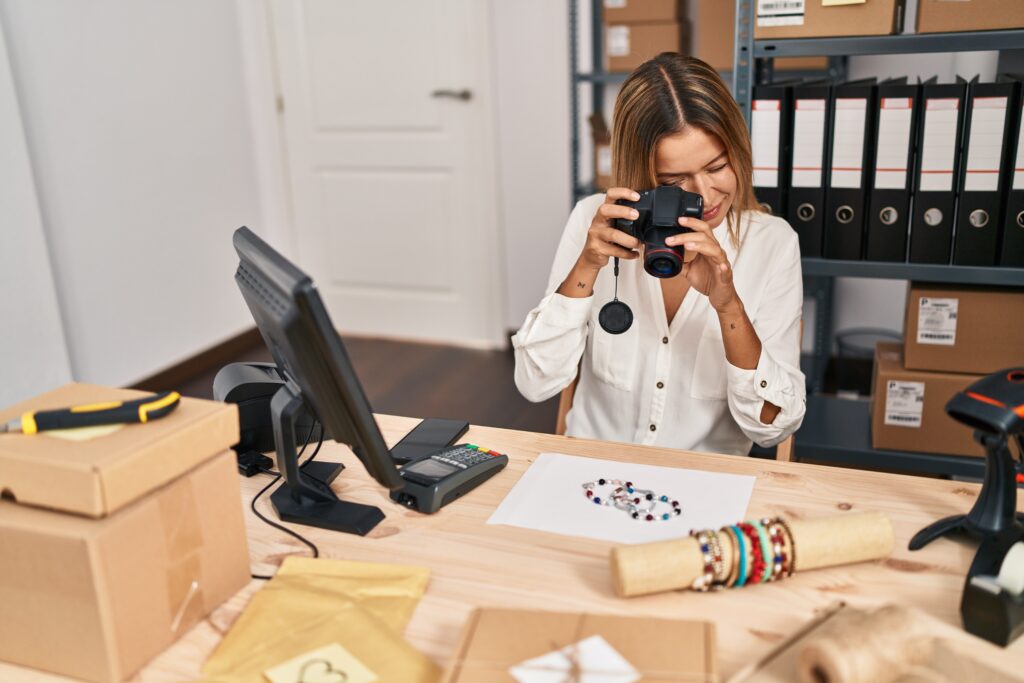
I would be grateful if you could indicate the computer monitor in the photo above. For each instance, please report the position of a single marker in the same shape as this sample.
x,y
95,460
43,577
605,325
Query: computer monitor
x,y
317,375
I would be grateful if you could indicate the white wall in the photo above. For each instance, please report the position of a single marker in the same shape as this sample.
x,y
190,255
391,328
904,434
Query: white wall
x,y
137,125
531,51
32,346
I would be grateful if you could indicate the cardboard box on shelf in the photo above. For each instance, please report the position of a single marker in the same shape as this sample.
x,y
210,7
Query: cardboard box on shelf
x,y
939,16
977,330
908,408
712,38
632,11
98,476
814,19
497,640
627,46
98,598
602,139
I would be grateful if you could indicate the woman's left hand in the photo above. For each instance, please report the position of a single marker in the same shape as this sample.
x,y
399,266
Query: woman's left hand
x,y
709,272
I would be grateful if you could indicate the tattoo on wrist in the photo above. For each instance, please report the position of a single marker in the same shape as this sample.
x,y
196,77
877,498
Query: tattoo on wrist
x,y
732,326
581,285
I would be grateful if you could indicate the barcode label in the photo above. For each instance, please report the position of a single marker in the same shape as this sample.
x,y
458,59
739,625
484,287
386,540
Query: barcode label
x,y
936,321
780,12
904,403
618,41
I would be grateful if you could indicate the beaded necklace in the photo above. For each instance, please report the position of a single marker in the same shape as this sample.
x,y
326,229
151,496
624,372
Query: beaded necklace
x,y
638,503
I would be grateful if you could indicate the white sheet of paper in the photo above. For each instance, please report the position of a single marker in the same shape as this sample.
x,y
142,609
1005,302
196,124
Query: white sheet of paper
x,y
550,497
595,658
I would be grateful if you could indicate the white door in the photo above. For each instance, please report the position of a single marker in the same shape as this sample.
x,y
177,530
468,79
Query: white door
x,y
389,135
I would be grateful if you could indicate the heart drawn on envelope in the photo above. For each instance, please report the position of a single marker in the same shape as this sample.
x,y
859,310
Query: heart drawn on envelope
x,y
320,671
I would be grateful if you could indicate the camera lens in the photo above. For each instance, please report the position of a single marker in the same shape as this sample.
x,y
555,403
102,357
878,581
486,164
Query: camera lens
x,y
661,266
662,262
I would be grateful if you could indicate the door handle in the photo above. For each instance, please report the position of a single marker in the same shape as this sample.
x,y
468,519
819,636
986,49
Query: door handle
x,y
464,95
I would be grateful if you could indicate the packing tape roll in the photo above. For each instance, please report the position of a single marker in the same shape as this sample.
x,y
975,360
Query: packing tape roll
x,y
1011,572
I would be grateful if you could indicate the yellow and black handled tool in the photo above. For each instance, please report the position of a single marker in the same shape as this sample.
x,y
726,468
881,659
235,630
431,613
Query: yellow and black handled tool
x,y
115,412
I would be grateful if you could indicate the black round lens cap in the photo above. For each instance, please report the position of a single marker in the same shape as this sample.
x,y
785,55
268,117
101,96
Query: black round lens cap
x,y
615,317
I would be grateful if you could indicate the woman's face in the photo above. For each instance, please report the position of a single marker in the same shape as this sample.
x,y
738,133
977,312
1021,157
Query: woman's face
x,y
696,161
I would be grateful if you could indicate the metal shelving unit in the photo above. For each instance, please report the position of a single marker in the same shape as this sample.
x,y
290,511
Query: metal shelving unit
x,y
836,430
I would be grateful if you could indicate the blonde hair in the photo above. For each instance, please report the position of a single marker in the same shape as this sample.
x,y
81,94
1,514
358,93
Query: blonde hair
x,y
663,96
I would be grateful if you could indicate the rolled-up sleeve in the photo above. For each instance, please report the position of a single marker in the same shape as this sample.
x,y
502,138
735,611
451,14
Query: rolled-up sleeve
x,y
550,343
777,377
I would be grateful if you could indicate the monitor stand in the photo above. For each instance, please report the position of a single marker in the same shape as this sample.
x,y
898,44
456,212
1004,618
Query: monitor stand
x,y
303,499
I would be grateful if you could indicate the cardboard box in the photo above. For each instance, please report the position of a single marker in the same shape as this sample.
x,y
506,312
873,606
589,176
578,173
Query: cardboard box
x,y
938,16
602,139
713,37
627,46
814,19
495,640
632,11
97,599
908,408
963,329
102,475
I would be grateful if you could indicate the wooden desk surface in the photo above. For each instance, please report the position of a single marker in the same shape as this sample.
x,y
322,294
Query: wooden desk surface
x,y
473,564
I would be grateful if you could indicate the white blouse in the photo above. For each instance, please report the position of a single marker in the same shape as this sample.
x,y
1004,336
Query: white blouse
x,y
671,385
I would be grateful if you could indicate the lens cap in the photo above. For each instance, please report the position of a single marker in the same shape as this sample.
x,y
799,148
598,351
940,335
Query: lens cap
x,y
615,317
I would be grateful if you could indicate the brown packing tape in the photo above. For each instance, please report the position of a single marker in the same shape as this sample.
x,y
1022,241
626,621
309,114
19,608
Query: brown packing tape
x,y
828,542
183,539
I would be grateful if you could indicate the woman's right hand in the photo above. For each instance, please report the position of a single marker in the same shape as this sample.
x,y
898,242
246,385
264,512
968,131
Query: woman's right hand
x,y
604,240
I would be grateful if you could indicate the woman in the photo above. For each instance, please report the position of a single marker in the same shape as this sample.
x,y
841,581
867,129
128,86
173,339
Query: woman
x,y
712,359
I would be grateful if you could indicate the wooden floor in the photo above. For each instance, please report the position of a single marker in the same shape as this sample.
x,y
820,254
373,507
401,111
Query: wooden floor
x,y
427,380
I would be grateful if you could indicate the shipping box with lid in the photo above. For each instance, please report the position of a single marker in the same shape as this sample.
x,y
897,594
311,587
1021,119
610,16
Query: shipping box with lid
x,y
627,46
633,11
116,545
908,407
598,647
977,330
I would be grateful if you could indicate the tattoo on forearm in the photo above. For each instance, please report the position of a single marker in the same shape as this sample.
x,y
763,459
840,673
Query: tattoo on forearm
x,y
732,326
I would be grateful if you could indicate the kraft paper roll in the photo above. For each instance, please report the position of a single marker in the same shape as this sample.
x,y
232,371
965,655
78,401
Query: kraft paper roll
x,y
880,646
828,542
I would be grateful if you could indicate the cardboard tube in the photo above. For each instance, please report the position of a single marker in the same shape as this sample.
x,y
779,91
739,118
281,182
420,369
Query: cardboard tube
x,y
672,565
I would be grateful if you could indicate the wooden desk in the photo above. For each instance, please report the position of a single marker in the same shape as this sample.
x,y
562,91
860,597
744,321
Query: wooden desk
x,y
473,564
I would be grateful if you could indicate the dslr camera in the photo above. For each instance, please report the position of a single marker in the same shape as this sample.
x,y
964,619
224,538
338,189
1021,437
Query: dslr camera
x,y
660,210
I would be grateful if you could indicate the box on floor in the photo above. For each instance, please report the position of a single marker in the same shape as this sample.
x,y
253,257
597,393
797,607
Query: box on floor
x,y
116,546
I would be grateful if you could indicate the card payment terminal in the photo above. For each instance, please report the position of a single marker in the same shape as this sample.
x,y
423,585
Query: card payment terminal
x,y
437,480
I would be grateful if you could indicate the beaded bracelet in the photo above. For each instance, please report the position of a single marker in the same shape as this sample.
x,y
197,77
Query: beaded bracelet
x,y
629,499
708,541
775,535
757,564
734,569
791,565
766,551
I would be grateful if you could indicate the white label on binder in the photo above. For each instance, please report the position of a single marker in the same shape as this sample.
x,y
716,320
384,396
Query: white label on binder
x,y
848,141
985,144
1018,164
936,321
765,123
780,12
893,151
618,41
904,403
939,149
808,143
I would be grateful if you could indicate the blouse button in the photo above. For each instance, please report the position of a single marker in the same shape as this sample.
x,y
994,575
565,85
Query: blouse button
x,y
661,385
764,383
664,340
653,428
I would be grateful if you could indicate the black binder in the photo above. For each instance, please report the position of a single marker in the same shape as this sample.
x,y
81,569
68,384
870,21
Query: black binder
x,y
770,115
938,144
984,171
1011,250
851,121
896,123
808,160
